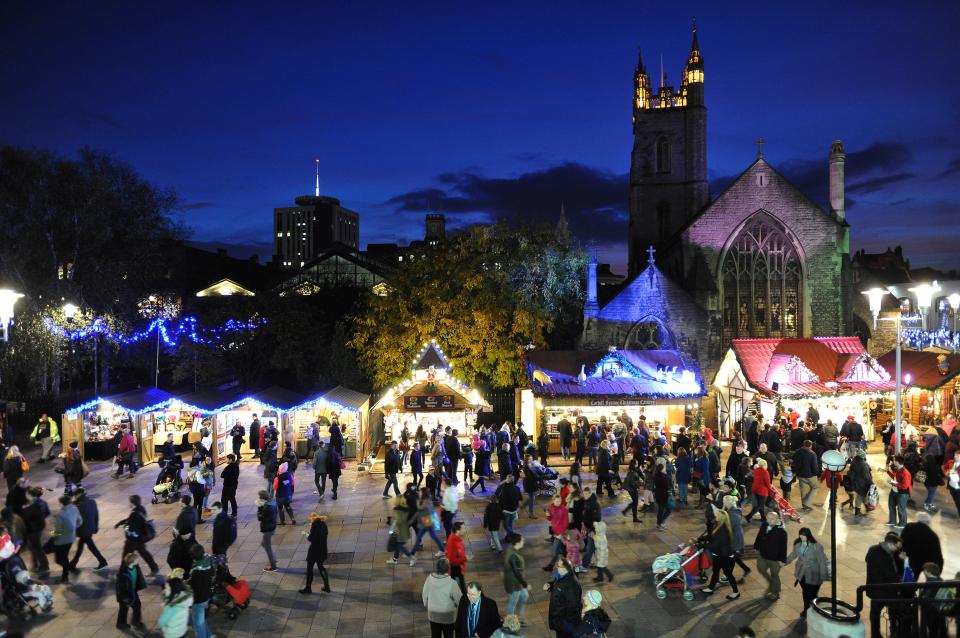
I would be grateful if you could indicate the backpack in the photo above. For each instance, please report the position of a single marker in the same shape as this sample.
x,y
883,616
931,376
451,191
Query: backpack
x,y
149,531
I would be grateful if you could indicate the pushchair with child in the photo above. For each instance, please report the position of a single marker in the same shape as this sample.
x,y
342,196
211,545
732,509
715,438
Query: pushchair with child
x,y
169,483
229,593
22,596
545,479
684,566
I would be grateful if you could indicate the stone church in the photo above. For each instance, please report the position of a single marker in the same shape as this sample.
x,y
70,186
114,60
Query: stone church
x,y
759,259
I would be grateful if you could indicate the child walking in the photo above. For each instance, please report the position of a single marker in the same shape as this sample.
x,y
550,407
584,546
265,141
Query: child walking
x,y
571,540
602,555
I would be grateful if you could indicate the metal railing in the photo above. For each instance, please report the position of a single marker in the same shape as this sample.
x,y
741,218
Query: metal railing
x,y
909,615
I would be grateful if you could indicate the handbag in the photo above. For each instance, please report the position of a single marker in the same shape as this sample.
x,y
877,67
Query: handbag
x,y
24,464
343,464
671,501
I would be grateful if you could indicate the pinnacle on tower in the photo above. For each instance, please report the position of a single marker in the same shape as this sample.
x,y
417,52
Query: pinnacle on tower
x,y
692,86
641,86
317,189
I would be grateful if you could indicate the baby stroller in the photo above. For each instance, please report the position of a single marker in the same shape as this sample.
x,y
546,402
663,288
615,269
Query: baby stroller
x,y
229,593
169,483
545,480
21,596
685,566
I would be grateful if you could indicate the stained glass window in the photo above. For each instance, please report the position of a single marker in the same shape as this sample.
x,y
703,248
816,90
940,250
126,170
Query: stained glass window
x,y
761,283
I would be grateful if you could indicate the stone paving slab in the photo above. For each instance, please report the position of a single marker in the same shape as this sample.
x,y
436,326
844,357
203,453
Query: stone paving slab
x,y
370,598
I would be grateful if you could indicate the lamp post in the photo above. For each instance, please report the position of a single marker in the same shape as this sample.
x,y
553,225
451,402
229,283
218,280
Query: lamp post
x,y
8,299
924,294
876,295
954,301
898,375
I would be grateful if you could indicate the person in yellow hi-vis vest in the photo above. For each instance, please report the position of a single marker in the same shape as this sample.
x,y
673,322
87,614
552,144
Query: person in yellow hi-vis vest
x,y
46,434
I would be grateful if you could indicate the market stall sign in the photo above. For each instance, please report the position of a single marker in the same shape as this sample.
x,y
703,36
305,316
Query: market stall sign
x,y
431,402
606,403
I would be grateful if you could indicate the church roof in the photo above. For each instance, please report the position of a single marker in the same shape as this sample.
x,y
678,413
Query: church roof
x,y
649,293
801,367
634,373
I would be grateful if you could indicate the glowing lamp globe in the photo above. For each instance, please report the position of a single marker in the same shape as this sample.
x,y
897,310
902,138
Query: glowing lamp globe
x,y
954,301
69,310
833,460
8,298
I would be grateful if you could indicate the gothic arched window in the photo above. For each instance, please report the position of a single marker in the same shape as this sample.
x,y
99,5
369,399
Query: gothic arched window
x,y
761,279
649,334
663,155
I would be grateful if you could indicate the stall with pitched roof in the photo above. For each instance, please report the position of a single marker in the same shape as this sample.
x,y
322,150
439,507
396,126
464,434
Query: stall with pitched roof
x,y
929,384
343,406
834,374
659,386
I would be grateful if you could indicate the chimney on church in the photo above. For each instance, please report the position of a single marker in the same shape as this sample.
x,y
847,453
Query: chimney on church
x,y
591,308
836,161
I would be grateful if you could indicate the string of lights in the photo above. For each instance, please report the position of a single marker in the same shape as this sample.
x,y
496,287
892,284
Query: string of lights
x,y
171,333
921,339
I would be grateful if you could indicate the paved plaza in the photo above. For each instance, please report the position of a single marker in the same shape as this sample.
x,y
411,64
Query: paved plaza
x,y
370,598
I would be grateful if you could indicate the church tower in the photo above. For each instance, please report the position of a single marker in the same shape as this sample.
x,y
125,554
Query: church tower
x,y
668,167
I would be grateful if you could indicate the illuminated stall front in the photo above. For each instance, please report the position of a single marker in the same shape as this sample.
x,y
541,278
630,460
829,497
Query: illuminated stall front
x,y
930,391
834,374
600,386
348,408
270,405
95,424
430,397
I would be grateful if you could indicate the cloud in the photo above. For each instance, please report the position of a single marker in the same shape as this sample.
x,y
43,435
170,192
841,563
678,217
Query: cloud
x,y
953,167
877,183
197,205
594,200
240,250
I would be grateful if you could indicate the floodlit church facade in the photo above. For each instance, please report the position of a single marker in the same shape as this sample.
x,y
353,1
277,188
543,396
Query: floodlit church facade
x,y
759,259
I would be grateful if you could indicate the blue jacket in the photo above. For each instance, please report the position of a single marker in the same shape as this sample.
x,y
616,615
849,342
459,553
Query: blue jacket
x,y
684,469
416,461
284,489
703,466
90,516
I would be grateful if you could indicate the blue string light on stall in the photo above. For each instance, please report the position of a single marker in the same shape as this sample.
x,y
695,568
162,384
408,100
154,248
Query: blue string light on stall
x,y
185,328
922,339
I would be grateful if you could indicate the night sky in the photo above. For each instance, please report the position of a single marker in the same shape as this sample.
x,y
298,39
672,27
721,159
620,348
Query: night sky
x,y
483,110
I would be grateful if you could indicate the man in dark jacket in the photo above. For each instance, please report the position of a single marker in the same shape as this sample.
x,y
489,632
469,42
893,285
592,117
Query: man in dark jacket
x,y
89,526
921,544
391,467
565,431
683,441
255,436
771,543
477,615
851,434
884,565
565,599
773,463
186,523
267,515
236,438
451,446
201,582
806,467
35,514
231,479
224,530
508,495
268,459
796,438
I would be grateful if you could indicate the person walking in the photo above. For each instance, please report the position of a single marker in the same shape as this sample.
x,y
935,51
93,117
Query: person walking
x,y
231,480
441,597
477,615
721,550
138,532
661,493
885,563
224,530
317,552
759,490
604,469
508,495
400,524
806,467
46,434
565,600
729,503
126,452
515,577
451,504
185,524
336,437
428,522
492,518
129,584
334,459
320,460
89,525
14,467
416,465
177,601
771,544
811,568
457,556
391,467
283,487
861,479
201,582
602,556
901,485
267,515
313,439
65,525
270,463
35,514
198,489
531,484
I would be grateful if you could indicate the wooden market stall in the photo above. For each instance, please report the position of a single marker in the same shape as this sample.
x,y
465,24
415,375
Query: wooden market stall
x,y
834,374
604,385
430,397
270,405
96,424
929,383
343,406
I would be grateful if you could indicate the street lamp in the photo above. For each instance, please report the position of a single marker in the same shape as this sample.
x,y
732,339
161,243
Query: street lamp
x,y
924,294
70,311
898,376
876,295
8,298
833,612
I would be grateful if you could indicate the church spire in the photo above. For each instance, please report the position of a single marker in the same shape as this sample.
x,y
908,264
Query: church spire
x,y
641,87
692,86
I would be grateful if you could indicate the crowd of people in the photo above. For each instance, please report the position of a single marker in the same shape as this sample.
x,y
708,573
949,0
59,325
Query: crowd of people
x,y
659,476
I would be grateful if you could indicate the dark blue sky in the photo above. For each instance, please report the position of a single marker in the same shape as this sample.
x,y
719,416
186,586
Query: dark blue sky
x,y
487,109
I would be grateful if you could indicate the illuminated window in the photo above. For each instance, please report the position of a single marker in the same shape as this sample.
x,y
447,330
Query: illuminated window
x,y
663,155
761,281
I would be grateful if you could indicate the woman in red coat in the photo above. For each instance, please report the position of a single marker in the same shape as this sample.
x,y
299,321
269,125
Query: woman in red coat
x,y
457,556
760,490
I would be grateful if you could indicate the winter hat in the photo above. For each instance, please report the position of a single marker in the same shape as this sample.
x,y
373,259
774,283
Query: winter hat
x,y
594,597
788,476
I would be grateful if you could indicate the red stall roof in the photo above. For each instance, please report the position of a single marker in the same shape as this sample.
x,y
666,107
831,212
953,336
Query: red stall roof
x,y
923,367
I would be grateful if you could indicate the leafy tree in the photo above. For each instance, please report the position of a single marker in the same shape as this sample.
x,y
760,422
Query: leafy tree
x,y
486,295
